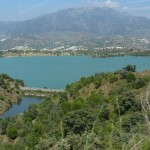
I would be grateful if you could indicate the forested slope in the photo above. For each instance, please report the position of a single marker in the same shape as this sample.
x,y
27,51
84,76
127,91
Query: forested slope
x,y
103,111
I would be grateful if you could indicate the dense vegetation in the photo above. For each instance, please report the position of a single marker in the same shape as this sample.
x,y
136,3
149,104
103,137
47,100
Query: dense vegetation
x,y
9,91
103,111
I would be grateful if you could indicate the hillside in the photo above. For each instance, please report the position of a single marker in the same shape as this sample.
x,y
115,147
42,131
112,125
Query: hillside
x,y
9,92
65,41
103,111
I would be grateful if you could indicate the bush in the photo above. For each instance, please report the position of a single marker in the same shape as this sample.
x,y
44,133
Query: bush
x,y
97,84
32,112
113,79
140,83
66,106
146,145
118,139
95,100
77,104
127,102
129,122
21,82
63,97
1,98
77,122
104,113
12,133
1,82
118,90
130,77
4,86
5,76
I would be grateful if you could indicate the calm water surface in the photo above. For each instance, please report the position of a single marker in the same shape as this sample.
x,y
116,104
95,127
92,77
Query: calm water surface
x,y
56,72
22,106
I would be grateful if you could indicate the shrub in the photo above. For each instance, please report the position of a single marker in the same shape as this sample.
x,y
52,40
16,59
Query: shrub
x,y
113,79
1,82
4,86
140,83
1,98
12,133
97,83
77,122
104,113
131,121
77,104
127,102
146,145
130,77
95,100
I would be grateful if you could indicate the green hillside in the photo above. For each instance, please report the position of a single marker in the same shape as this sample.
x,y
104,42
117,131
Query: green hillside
x,y
9,92
105,111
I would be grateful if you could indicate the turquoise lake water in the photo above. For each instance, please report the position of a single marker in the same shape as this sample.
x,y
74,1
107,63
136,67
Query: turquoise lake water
x,y
57,71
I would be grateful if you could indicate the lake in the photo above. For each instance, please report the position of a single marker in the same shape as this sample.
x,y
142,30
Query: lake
x,y
57,71
22,106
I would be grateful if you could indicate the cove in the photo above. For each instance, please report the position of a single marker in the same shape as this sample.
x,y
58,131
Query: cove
x,y
22,106
55,72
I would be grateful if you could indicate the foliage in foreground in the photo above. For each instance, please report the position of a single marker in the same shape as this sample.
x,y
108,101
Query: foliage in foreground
x,y
99,112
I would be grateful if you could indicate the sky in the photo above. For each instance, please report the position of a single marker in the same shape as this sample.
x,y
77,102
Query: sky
x,y
17,10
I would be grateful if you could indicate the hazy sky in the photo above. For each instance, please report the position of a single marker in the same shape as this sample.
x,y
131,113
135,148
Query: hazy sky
x,y
27,9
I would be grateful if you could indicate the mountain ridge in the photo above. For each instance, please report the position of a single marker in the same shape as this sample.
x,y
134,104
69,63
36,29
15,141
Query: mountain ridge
x,y
100,21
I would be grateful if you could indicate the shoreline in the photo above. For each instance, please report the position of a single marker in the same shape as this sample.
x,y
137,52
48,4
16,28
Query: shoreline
x,y
7,108
92,53
93,56
40,98
31,93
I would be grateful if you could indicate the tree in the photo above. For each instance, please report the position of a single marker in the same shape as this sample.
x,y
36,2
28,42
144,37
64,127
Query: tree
x,y
130,68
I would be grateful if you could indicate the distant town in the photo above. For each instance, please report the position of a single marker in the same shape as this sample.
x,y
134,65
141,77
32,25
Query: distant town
x,y
74,51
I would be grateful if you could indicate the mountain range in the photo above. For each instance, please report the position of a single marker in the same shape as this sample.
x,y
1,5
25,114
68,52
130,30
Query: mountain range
x,y
77,26
95,20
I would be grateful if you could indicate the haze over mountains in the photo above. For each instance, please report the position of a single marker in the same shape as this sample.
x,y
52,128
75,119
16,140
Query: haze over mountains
x,y
102,21
95,21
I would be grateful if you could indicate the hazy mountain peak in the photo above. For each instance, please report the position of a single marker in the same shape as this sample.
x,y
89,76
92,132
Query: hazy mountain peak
x,y
95,20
